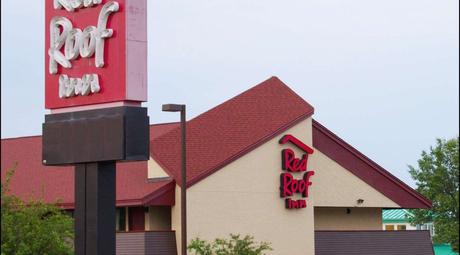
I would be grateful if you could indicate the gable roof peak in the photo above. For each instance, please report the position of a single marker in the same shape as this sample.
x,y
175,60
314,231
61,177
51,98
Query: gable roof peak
x,y
236,126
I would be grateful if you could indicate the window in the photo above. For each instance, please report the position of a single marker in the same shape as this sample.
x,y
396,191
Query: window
x,y
401,227
429,226
389,227
120,219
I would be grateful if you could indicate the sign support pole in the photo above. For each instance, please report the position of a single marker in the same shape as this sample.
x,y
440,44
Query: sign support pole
x,y
95,208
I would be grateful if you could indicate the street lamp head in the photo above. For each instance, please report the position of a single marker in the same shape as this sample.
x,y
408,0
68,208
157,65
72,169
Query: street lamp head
x,y
173,107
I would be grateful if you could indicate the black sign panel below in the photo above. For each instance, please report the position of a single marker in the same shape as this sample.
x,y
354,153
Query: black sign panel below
x,y
109,134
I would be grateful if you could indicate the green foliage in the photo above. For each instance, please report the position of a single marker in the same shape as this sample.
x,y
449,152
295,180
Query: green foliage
x,y
33,227
233,246
437,179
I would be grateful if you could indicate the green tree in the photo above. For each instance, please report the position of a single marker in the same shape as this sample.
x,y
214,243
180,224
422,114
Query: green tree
x,y
437,179
233,246
33,227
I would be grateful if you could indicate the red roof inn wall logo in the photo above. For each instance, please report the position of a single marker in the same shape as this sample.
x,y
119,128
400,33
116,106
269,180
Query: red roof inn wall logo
x,y
293,165
95,52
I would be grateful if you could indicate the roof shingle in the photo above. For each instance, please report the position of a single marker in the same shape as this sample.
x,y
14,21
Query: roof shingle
x,y
52,183
233,128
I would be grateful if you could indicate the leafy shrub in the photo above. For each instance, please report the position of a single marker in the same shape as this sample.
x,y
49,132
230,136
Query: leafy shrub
x,y
33,227
233,246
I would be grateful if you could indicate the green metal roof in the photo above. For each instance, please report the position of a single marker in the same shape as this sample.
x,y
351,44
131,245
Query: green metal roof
x,y
395,215
443,249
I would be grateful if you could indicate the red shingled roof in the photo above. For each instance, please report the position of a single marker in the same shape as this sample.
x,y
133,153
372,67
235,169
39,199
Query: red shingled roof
x,y
214,139
232,129
32,179
157,130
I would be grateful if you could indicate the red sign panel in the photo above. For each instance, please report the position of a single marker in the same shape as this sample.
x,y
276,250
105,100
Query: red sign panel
x,y
96,52
289,185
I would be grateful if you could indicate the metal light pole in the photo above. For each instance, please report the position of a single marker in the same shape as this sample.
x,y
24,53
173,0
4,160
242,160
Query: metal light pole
x,y
181,108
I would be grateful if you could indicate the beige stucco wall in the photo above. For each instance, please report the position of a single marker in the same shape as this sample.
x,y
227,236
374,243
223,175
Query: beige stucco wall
x,y
243,197
175,218
155,170
337,218
334,186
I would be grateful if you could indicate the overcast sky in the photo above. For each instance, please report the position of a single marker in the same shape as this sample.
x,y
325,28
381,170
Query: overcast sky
x,y
383,75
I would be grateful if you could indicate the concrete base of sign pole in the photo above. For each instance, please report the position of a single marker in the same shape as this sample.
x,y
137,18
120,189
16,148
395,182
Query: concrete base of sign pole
x,y
95,208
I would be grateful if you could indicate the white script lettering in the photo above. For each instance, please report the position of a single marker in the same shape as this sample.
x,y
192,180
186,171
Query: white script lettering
x,y
70,87
78,43
71,5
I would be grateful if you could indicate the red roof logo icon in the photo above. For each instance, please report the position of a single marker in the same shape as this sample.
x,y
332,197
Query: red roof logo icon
x,y
297,143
